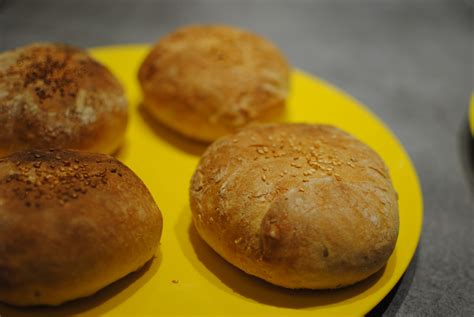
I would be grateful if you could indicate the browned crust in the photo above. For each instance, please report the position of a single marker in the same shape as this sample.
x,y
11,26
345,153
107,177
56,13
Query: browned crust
x,y
55,95
301,206
206,81
70,224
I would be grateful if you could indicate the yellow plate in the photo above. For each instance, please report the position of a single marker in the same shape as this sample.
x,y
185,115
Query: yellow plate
x,y
471,115
187,277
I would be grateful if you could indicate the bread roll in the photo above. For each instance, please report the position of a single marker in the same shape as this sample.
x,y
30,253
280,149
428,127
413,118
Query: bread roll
x,y
300,206
55,95
70,224
206,81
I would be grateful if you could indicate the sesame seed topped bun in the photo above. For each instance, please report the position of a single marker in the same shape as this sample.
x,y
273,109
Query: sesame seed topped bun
x,y
56,95
71,223
300,206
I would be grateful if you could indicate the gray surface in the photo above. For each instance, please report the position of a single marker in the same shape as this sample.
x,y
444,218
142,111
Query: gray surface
x,y
410,62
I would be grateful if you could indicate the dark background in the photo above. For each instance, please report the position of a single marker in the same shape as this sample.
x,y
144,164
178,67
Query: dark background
x,y
410,62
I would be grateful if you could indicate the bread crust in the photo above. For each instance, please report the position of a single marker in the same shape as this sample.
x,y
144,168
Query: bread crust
x,y
56,95
206,81
70,224
300,206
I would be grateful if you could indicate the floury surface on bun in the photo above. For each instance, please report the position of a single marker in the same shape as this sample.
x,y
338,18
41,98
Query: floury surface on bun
x,y
205,81
56,95
71,223
298,205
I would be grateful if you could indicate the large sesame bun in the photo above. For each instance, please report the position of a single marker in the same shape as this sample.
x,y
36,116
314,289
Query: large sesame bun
x,y
205,81
55,95
70,224
301,206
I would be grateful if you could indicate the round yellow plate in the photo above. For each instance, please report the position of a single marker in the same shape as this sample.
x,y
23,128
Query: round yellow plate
x,y
187,277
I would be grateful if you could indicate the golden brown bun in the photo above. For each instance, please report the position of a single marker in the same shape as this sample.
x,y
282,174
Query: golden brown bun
x,y
301,206
208,81
54,95
70,224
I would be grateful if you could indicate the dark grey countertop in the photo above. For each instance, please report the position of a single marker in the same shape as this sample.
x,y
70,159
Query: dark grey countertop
x,y
410,62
